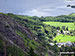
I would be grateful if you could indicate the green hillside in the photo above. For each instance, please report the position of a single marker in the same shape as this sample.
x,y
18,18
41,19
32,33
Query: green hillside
x,y
24,36
30,35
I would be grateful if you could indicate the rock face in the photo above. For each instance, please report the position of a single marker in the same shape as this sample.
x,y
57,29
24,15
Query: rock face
x,y
7,29
9,37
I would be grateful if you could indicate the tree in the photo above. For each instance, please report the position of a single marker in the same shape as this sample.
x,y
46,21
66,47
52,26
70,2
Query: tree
x,y
63,27
67,28
58,28
31,52
46,31
61,31
74,23
55,48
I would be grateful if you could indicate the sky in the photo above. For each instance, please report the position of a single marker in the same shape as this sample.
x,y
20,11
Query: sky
x,y
37,7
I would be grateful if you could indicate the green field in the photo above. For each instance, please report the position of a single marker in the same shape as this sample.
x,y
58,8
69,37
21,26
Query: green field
x,y
64,38
70,26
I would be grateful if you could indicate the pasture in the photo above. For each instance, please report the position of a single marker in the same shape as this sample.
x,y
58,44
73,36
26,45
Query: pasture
x,y
64,38
70,26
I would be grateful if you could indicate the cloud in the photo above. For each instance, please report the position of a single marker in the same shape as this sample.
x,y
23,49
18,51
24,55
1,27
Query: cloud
x,y
36,12
69,0
36,7
45,11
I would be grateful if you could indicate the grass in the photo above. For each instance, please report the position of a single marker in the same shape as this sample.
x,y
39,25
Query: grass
x,y
28,42
64,38
70,26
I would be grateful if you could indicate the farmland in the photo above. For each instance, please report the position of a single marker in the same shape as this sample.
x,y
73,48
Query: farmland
x,y
70,26
64,38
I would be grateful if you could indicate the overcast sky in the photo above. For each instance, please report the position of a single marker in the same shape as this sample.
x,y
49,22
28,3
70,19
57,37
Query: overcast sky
x,y
37,7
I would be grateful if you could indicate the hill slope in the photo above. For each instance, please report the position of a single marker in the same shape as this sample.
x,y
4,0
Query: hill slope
x,y
17,40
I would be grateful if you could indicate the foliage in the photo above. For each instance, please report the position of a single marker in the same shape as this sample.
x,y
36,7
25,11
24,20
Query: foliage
x,y
28,42
45,28
62,18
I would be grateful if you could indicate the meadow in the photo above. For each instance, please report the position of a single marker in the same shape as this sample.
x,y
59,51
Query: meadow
x,y
70,26
64,38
